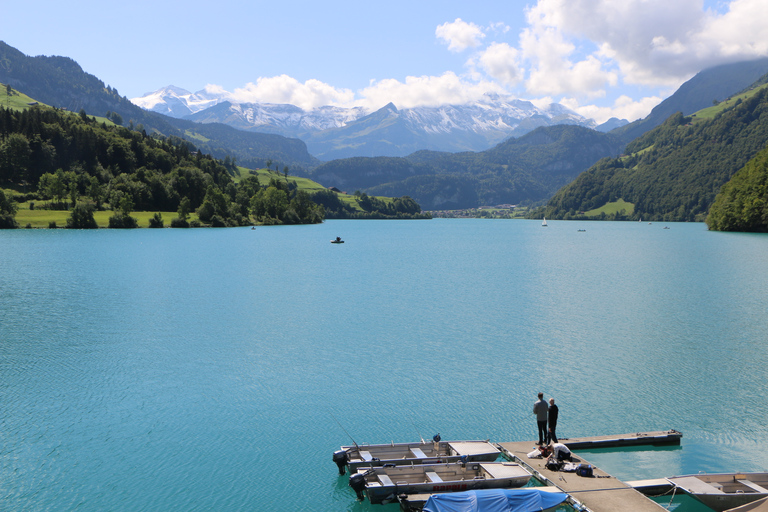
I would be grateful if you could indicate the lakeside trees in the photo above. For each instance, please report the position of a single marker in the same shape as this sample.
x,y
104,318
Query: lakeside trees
x,y
7,212
742,204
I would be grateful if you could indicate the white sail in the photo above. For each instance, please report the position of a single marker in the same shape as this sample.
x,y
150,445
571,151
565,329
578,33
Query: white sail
x,y
545,222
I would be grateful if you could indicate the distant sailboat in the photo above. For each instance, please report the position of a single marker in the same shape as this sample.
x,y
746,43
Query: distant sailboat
x,y
545,222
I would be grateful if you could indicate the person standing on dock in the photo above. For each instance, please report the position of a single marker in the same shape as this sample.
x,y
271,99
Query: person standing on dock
x,y
540,409
553,411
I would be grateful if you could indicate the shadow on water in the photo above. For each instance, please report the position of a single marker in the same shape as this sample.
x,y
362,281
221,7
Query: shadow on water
x,y
681,503
629,449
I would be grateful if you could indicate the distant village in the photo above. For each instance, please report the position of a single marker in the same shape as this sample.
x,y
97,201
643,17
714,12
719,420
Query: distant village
x,y
501,211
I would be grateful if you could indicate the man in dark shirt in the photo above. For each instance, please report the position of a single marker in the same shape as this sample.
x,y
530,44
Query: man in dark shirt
x,y
552,437
540,410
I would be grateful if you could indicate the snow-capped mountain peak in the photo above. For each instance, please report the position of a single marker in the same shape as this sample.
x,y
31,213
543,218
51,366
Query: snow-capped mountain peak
x,y
474,126
176,102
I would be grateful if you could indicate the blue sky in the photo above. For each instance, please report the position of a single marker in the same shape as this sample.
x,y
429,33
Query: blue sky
x,y
601,58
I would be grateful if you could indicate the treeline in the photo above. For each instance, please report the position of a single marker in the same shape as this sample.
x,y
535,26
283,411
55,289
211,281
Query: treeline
x,y
372,207
70,161
674,172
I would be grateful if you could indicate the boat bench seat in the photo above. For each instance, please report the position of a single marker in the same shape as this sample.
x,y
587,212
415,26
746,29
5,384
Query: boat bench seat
x,y
385,480
366,456
753,486
433,477
418,453
693,485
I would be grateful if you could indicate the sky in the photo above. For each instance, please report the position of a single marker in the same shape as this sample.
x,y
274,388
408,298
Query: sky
x,y
601,58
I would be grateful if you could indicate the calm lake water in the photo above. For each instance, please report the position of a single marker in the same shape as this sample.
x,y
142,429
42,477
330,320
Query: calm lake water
x,y
218,369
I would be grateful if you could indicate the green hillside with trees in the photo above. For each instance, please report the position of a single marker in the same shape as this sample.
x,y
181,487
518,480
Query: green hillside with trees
x,y
518,171
742,204
62,161
54,160
674,172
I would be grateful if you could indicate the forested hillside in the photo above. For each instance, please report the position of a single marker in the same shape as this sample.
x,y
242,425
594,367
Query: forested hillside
x,y
524,170
742,204
673,172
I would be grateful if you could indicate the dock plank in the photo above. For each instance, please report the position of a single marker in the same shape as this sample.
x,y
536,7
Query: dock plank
x,y
601,493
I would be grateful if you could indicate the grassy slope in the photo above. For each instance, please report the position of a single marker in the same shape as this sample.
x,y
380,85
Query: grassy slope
x,y
43,218
20,101
711,112
611,208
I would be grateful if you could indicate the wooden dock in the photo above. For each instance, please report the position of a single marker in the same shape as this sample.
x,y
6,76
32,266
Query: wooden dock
x,y
602,492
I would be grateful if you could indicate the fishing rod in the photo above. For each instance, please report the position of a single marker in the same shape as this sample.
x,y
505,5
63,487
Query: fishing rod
x,y
417,432
345,431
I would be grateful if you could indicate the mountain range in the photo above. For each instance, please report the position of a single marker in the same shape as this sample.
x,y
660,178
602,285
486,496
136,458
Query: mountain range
x,y
523,169
332,132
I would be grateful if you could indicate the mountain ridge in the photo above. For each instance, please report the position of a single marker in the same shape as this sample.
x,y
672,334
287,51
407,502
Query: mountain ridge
x,y
673,172
334,132
62,83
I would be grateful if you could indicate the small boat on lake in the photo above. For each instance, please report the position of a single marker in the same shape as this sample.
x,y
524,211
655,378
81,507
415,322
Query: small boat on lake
x,y
544,223
435,452
338,240
384,484
723,491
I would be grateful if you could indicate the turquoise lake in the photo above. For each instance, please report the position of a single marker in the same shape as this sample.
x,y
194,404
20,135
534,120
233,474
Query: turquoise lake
x,y
218,369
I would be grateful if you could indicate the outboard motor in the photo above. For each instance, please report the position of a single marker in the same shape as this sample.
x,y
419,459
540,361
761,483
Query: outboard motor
x,y
436,438
357,483
341,458
464,459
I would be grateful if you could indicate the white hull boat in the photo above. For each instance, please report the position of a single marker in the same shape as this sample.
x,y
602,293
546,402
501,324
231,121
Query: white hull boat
x,y
383,484
434,452
723,491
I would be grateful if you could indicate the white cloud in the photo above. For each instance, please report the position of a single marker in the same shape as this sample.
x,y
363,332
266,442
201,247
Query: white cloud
x,y
623,108
285,89
460,35
447,88
658,42
576,52
499,60
552,70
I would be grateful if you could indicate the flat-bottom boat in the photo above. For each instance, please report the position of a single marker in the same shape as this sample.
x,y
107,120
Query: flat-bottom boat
x,y
383,484
722,491
434,452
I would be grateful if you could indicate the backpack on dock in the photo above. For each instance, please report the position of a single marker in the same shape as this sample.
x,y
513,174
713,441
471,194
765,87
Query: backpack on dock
x,y
554,465
584,470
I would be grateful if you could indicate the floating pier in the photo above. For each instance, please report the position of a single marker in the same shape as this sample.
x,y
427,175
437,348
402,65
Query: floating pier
x,y
602,492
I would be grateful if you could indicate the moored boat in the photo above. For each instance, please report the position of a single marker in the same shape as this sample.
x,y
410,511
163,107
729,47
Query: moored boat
x,y
383,484
722,491
434,452
529,499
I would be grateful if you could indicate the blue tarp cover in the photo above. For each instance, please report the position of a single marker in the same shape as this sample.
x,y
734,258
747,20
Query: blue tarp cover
x,y
494,500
